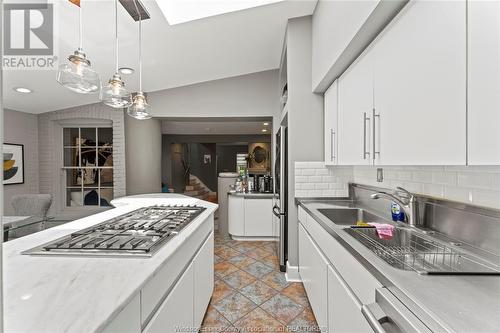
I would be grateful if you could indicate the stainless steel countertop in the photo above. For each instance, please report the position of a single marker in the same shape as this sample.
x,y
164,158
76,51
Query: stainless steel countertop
x,y
450,303
253,195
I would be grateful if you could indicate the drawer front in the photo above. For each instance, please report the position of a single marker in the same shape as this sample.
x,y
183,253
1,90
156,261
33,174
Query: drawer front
x,y
128,320
344,309
313,272
203,279
362,282
176,312
156,289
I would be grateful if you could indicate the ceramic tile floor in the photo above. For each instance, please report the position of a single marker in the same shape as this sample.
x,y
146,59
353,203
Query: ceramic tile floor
x,y
251,294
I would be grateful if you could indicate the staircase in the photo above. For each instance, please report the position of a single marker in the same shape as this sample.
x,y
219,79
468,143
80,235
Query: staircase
x,y
197,189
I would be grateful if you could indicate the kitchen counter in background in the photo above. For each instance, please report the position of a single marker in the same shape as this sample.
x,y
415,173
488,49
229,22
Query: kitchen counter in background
x,y
455,303
250,216
85,294
254,195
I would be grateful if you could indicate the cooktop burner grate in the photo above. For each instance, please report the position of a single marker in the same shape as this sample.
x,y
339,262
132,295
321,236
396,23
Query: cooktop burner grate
x,y
138,233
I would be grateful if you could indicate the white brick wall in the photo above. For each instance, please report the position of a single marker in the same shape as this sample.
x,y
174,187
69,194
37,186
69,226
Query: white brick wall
x,y
49,163
479,185
314,179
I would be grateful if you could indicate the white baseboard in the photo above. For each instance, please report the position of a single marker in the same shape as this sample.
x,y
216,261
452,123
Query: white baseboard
x,y
292,273
252,238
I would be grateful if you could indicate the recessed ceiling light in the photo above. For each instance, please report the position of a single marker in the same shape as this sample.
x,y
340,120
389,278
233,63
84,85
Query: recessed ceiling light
x,y
23,90
126,70
266,124
264,130
176,11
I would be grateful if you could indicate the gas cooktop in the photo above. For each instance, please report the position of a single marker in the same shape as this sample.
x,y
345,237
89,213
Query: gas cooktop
x,y
139,233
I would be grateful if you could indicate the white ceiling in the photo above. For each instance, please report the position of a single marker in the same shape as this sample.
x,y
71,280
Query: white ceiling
x,y
218,127
221,46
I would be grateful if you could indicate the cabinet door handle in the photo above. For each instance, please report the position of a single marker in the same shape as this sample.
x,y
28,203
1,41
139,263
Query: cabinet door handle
x,y
365,118
374,323
375,152
332,134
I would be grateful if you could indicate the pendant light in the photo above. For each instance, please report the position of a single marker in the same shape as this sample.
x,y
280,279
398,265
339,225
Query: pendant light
x,y
77,74
114,93
140,109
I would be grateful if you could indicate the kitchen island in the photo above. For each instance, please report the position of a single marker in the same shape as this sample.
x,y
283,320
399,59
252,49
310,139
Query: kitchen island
x,y
165,292
250,216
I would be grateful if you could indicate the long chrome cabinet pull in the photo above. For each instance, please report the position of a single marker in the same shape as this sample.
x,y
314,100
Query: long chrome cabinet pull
x,y
375,152
332,147
365,118
374,323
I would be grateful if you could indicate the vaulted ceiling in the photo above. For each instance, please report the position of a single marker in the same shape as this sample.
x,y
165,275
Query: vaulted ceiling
x,y
221,46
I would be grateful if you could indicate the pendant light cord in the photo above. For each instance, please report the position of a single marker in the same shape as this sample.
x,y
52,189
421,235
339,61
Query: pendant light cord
x,y
81,26
140,45
116,35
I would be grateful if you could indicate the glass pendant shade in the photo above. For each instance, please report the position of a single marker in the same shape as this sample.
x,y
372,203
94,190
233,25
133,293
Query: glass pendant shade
x,y
140,109
77,75
114,93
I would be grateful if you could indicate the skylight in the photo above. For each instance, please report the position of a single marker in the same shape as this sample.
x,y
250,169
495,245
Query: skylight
x,y
180,11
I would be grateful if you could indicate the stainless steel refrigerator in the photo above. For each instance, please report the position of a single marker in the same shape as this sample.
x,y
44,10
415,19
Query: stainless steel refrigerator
x,y
280,208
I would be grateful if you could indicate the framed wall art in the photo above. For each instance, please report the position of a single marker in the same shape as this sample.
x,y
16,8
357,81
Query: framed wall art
x,y
13,164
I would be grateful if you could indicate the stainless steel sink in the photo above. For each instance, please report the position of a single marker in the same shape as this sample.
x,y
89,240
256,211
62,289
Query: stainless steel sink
x,y
348,216
409,249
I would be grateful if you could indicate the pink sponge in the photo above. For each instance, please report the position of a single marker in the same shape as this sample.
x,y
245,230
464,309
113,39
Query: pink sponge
x,y
384,230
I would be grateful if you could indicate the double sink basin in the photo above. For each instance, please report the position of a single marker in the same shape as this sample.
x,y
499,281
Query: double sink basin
x,y
411,248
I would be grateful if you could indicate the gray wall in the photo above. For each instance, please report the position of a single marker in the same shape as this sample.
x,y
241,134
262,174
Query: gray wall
x,y
305,117
170,165
143,155
22,128
249,95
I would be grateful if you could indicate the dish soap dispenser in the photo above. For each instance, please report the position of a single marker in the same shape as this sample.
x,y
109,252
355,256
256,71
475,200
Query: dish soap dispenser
x,y
397,214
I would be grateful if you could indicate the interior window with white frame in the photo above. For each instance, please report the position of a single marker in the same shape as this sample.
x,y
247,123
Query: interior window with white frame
x,y
88,166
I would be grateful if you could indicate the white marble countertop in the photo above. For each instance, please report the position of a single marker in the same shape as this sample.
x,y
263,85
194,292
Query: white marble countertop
x,y
80,294
458,303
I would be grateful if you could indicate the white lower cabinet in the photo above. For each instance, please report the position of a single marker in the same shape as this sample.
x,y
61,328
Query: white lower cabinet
x,y
204,281
324,267
258,217
176,311
180,308
128,320
344,308
313,272
236,215
251,217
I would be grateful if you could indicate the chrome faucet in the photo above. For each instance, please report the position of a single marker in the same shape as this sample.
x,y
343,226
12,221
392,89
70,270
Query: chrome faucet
x,y
408,204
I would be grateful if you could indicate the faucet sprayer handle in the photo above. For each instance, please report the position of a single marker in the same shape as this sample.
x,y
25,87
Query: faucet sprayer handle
x,y
408,194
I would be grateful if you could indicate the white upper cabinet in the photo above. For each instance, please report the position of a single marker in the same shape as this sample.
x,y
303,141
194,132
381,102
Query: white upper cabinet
x,y
331,130
484,82
420,86
355,103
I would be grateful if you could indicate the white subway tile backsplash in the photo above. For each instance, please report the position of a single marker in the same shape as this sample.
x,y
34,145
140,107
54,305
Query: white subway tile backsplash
x,y
308,172
315,179
301,179
322,172
471,184
489,198
321,186
477,180
444,178
458,194
318,180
